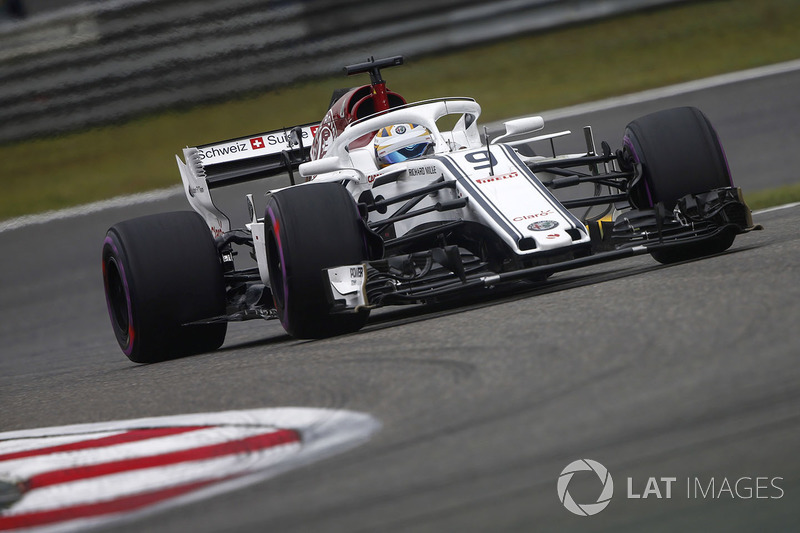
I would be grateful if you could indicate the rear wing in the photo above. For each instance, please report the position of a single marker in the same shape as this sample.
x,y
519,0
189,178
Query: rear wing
x,y
240,160
256,156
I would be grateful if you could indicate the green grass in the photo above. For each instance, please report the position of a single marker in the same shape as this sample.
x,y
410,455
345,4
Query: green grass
x,y
515,77
768,198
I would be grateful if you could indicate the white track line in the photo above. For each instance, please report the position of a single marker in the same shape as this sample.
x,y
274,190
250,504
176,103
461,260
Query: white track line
x,y
673,90
554,114
95,207
776,208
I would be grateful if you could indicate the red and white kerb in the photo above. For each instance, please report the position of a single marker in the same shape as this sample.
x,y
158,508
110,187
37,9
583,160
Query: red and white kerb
x,y
72,477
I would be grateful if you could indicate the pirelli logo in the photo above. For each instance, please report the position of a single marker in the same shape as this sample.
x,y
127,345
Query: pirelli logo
x,y
501,177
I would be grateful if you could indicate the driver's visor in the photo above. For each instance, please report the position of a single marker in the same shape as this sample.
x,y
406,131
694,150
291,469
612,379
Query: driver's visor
x,y
404,154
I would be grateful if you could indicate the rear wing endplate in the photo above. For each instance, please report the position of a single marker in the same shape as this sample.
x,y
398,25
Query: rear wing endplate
x,y
263,155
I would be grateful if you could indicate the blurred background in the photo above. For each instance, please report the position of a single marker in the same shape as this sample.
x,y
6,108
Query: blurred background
x,y
70,64
19,9
96,96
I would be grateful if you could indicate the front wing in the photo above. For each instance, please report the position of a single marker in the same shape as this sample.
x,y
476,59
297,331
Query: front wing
x,y
424,276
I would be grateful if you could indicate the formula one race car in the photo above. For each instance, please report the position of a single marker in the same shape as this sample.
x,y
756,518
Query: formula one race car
x,y
394,207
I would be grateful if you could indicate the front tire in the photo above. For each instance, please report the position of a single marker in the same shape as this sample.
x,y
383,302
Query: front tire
x,y
310,228
160,272
677,152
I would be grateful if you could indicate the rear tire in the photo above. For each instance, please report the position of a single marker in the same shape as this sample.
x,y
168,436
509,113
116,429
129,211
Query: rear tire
x,y
310,228
161,272
679,153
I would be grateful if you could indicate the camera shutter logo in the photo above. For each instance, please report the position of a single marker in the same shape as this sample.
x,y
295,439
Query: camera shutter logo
x,y
585,509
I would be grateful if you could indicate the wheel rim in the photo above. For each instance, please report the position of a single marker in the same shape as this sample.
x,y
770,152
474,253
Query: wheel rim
x,y
117,298
276,276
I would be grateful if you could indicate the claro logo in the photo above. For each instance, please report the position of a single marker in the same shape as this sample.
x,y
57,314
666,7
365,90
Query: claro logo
x,y
585,509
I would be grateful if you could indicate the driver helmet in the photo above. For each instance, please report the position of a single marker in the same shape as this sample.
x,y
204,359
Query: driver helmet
x,y
401,142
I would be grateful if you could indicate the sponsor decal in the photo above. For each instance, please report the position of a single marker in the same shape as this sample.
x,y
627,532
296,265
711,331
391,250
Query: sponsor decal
x,y
542,225
323,136
356,275
273,142
488,204
501,177
553,235
275,139
73,477
225,150
542,213
422,171
323,141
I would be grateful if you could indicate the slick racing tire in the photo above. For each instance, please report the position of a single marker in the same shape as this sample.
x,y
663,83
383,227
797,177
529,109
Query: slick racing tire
x,y
679,153
309,228
161,272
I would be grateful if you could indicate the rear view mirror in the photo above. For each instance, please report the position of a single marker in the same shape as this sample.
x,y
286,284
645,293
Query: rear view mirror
x,y
320,166
520,126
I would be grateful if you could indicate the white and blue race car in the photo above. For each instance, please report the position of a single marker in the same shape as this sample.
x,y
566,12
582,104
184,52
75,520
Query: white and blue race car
x,y
386,202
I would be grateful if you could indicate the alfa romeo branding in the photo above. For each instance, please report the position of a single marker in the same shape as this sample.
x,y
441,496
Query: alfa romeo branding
x,y
542,225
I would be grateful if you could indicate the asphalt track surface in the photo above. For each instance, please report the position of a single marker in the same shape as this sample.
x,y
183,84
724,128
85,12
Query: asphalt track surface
x,y
686,371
